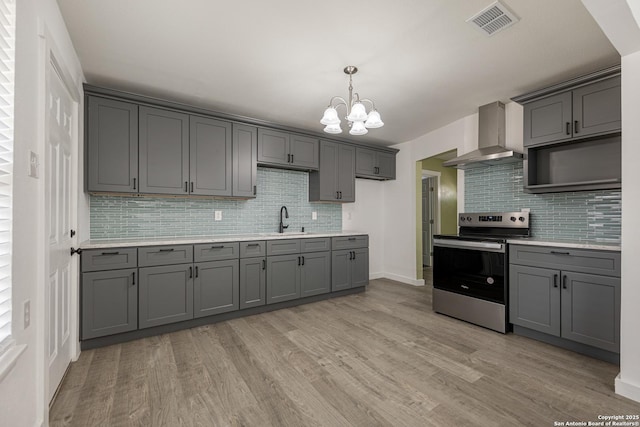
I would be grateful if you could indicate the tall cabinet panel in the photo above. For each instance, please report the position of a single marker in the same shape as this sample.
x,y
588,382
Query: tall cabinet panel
x,y
112,146
347,173
210,154
164,151
245,161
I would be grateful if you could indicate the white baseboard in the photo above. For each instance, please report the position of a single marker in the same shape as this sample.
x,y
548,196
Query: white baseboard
x,y
628,390
403,279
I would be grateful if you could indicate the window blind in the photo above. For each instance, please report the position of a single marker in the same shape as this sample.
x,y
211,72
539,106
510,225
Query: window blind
x,y
7,55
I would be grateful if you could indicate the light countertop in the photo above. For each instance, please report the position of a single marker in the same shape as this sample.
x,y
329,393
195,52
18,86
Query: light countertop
x,y
158,241
576,244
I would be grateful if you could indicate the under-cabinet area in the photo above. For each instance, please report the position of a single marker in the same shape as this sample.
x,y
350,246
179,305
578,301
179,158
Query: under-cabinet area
x,y
566,296
132,292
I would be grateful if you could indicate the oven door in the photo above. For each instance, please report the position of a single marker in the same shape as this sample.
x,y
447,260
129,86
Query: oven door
x,y
473,268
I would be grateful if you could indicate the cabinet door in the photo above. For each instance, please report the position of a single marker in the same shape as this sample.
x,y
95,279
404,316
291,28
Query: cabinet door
x,y
328,173
164,151
210,157
340,270
534,298
591,310
283,278
360,267
347,173
112,146
252,282
109,303
166,295
273,147
597,108
304,152
245,161
315,274
548,119
386,165
215,287
365,162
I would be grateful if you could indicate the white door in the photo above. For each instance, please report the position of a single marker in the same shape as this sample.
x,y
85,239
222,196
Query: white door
x,y
59,157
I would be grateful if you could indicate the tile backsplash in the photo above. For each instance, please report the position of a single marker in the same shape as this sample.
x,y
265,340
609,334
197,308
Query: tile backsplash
x,y
131,216
590,216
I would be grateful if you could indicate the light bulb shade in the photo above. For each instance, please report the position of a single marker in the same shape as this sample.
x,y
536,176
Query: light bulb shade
x,y
358,113
373,121
330,117
335,129
357,128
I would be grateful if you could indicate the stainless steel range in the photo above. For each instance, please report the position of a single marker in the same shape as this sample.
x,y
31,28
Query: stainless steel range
x,y
470,269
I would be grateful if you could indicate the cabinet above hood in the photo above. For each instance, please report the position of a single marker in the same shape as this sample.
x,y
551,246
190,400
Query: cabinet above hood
x,y
491,141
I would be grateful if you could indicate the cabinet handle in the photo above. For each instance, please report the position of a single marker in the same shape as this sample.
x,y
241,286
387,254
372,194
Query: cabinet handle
x,y
190,272
133,282
253,244
354,254
134,183
264,264
555,280
217,247
351,238
560,253
340,193
288,158
568,128
186,187
196,271
564,282
575,127
111,253
192,186
350,255
292,158
302,260
298,260
167,250
376,170
255,190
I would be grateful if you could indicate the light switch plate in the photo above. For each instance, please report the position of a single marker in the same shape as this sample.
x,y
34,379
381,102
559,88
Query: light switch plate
x,y
314,216
34,163
217,215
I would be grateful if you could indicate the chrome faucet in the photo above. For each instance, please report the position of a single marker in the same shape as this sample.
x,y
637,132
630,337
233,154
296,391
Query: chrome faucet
x,y
286,215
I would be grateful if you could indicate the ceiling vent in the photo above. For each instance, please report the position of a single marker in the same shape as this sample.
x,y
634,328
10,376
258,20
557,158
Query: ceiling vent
x,y
494,18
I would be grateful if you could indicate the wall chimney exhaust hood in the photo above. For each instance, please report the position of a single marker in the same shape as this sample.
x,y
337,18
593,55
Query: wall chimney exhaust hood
x,y
491,141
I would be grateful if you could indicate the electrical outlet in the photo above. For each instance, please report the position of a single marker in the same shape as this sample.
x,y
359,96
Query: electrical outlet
x,y
217,215
314,216
34,163
27,313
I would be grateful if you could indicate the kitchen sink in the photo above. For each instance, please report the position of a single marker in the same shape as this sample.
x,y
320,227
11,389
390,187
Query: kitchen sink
x,y
291,233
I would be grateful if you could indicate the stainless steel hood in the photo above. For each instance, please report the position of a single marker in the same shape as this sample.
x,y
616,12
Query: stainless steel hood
x,y
491,141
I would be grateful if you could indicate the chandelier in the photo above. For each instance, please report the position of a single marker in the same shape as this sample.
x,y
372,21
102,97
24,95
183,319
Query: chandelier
x,y
359,120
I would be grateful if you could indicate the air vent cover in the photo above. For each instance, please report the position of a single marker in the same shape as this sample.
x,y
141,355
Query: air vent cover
x,y
494,18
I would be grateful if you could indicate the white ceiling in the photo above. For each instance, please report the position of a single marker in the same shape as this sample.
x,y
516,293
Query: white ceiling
x,y
282,60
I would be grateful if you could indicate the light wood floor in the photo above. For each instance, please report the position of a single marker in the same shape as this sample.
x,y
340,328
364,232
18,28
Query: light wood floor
x,y
377,358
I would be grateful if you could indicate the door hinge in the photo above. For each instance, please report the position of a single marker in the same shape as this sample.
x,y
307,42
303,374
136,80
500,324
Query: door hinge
x,y
76,251
431,189
430,221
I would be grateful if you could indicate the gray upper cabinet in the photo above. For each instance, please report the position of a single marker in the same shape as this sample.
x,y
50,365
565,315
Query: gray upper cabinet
x,y
335,181
112,146
216,287
210,148
164,151
166,295
548,119
245,161
276,148
373,164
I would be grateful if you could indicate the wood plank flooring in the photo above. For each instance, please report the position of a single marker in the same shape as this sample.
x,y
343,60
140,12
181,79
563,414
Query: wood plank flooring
x,y
379,358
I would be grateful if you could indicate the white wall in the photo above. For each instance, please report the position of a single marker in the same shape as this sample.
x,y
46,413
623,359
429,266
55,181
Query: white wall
x,y
22,392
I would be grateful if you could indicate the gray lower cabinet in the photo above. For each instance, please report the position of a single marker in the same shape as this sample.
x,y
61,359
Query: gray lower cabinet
x,y
252,282
164,151
109,302
575,305
210,153
245,161
315,273
335,181
166,295
283,278
112,146
215,287
350,268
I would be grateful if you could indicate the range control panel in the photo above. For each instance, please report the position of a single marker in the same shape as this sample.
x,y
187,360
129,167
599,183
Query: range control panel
x,y
494,219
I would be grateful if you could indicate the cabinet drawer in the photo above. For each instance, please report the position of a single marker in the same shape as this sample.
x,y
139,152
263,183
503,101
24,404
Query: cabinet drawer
x,y
253,249
315,245
349,242
283,247
216,251
165,255
109,259
580,260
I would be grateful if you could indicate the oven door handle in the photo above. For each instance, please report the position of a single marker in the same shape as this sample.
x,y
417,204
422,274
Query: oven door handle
x,y
473,245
